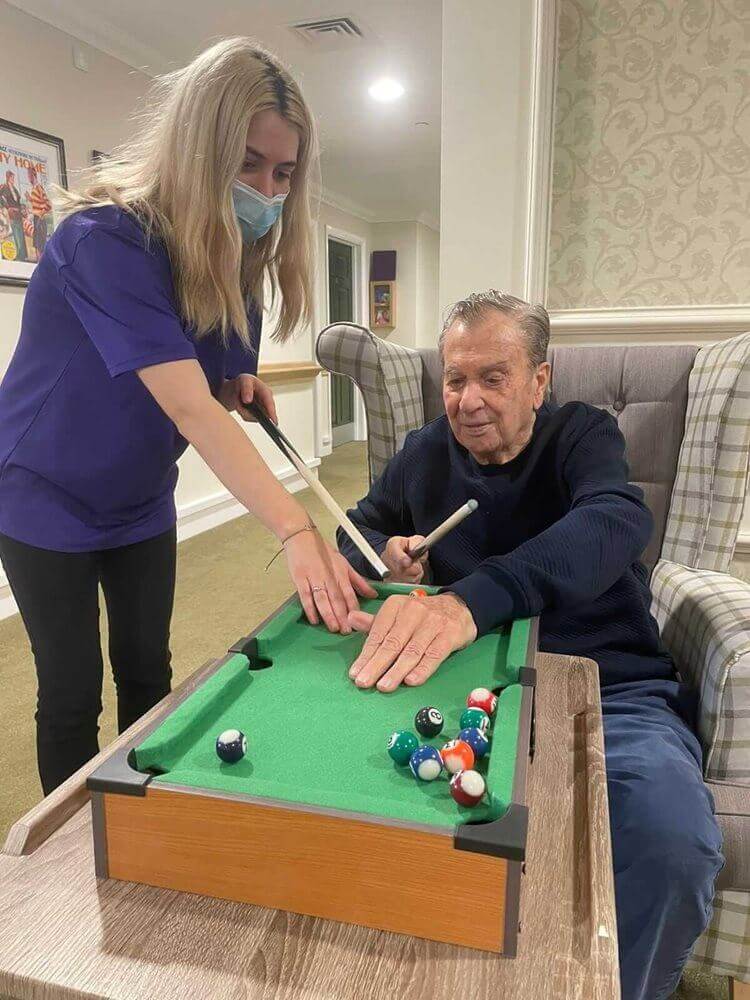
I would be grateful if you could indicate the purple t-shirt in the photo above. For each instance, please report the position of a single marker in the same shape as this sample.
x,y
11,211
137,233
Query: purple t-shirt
x,y
87,457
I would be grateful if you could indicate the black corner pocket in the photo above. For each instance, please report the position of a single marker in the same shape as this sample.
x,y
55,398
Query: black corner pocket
x,y
255,660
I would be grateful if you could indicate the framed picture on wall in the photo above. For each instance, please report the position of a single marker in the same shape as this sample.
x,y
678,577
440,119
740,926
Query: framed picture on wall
x,y
30,163
382,305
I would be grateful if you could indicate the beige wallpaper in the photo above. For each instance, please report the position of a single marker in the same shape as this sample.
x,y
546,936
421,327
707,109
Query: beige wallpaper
x,y
651,193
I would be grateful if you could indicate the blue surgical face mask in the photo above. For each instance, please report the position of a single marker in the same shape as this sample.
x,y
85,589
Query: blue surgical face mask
x,y
256,214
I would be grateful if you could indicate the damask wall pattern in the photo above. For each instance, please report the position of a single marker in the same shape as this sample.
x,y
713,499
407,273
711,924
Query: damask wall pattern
x,y
651,186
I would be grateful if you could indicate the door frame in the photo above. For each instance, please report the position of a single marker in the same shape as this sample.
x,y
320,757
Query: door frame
x,y
360,302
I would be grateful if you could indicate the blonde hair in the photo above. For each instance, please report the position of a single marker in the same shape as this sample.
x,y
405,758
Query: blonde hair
x,y
176,176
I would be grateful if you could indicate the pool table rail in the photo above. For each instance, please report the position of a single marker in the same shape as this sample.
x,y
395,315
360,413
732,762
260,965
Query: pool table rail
x,y
310,859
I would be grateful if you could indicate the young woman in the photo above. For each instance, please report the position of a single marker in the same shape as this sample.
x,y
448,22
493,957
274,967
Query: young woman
x,y
140,330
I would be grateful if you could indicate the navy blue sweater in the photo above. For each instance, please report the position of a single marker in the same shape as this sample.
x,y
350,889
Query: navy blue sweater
x,y
558,533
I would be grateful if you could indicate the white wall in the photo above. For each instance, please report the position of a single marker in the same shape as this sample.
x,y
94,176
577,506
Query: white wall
x,y
484,145
428,279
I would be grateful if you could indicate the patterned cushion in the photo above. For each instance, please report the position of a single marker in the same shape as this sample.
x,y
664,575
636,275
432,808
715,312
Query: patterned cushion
x,y
724,948
645,388
388,376
704,618
712,472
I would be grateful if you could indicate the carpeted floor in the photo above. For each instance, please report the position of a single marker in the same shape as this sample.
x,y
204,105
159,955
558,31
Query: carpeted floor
x,y
222,591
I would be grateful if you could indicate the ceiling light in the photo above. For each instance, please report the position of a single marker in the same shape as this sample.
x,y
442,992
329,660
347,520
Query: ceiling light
x,y
386,89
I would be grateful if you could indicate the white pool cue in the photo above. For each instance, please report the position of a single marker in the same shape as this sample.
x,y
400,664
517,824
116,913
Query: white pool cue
x,y
442,529
319,490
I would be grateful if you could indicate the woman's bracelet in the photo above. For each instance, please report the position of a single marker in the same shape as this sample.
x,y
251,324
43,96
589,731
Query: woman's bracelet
x,y
307,527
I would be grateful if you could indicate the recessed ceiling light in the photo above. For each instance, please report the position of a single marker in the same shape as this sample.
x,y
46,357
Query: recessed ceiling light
x,y
386,89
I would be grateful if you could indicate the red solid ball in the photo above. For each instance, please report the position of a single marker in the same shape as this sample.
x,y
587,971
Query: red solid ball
x,y
482,698
468,788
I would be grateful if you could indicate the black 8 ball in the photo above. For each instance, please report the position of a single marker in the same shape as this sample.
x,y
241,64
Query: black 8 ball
x,y
428,721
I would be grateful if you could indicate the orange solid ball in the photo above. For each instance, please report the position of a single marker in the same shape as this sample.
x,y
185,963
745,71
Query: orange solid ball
x,y
457,756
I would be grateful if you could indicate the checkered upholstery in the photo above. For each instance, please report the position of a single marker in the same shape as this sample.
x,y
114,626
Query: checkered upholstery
x,y
704,619
389,378
685,415
712,472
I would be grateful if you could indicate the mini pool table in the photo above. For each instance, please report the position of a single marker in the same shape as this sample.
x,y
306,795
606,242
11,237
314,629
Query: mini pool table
x,y
316,818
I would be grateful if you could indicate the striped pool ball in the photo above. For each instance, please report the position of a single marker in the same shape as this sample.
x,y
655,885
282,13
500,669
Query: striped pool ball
x,y
457,756
401,745
474,717
231,745
477,740
425,763
482,698
468,788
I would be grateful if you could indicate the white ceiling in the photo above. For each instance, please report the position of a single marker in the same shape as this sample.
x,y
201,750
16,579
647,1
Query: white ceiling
x,y
375,159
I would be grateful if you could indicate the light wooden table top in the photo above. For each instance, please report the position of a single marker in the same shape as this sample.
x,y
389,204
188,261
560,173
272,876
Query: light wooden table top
x,y
62,935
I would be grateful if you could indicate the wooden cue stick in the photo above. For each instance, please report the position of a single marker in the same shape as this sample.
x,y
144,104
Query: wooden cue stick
x,y
442,529
319,489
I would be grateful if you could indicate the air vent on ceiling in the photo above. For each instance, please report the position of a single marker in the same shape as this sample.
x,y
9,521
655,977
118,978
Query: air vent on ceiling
x,y
329,32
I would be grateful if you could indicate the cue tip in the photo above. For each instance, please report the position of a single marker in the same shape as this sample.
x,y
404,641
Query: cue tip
x,y
472,504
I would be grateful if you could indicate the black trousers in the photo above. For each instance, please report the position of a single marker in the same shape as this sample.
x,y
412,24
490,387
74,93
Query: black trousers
x,y
58,596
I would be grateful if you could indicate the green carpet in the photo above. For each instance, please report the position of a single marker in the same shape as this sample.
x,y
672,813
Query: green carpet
x,y
217,600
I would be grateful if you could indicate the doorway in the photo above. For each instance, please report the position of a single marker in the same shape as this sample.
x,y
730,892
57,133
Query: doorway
x,y
341,309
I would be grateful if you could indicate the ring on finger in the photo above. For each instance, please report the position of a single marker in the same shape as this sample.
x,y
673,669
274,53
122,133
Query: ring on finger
x,y
316,589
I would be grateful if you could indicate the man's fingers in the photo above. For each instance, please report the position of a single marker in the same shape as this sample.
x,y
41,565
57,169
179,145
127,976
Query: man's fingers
x,y
379,628
401,554
391,644
439,650
411,655
414,541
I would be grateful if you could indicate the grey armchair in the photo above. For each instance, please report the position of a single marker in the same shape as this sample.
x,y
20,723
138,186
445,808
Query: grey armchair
x,y
685,415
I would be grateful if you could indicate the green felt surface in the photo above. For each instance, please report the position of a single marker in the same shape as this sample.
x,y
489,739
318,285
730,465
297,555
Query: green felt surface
x,y
314,738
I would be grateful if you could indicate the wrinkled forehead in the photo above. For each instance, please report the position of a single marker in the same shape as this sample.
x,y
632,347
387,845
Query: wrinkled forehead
x,y
481,345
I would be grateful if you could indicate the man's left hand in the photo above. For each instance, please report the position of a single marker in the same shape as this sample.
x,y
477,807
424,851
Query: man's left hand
x,y
409,638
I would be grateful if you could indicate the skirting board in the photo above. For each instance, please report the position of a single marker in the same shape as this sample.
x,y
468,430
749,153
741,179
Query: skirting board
x,y
192,519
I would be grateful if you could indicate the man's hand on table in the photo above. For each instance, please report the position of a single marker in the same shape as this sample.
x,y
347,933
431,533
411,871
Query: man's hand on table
x,y
409,638
404,569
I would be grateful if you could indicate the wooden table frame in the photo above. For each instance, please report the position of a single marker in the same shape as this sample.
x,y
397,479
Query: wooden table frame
x,y
339,864
65,935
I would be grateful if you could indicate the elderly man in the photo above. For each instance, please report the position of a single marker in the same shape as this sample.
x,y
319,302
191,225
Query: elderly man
x,y
558,533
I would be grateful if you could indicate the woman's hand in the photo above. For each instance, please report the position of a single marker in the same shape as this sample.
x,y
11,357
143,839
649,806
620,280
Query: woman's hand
x,y
409,638
244,389
325,581
404,569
